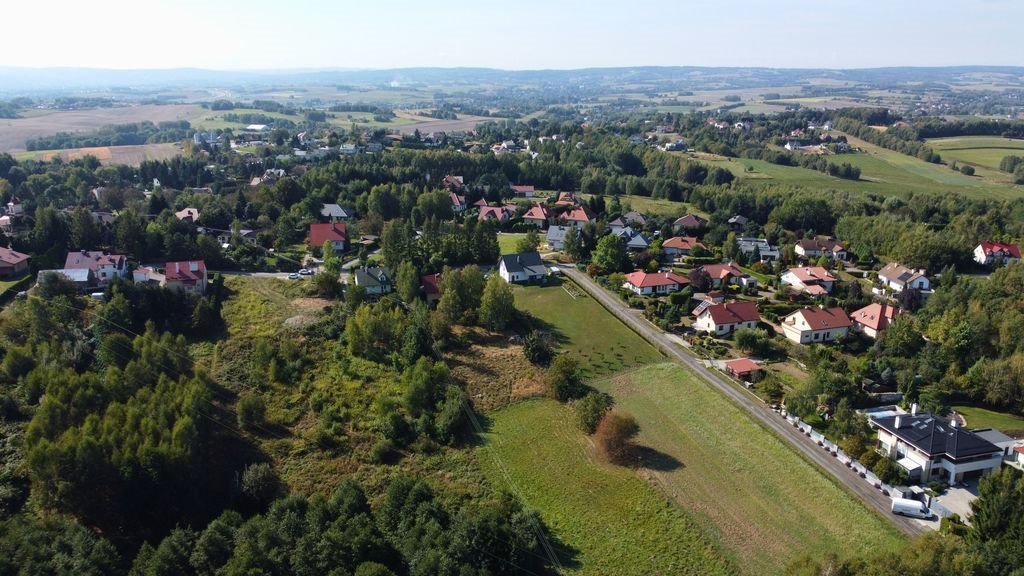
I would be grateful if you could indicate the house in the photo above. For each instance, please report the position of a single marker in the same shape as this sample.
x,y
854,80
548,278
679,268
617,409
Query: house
x,y
496,213
724,274
578,216
6,224
928,447
257,128
567,199
337,212
758,247
689,223
375,279
813,280
989,253
105,267
459,204
538,215
743,369
811,325
480,203
250,237
654,283
677,247
15,207
430,286
188,276
793,145
738,222
677,145
898,277
556,237
634,240
187,215
83,278
12,263
726,318
873,319
632,218
523,267
523,191
452,183
813,248
334,232
149,276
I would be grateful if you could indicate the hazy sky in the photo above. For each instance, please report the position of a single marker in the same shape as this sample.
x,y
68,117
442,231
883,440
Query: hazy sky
x,y
515,34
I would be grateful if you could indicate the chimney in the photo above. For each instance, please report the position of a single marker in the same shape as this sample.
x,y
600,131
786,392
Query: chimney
x,y
899,420
913,409
954,423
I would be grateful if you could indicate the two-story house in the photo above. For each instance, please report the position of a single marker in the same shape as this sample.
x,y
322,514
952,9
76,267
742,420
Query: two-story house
x,y
816,325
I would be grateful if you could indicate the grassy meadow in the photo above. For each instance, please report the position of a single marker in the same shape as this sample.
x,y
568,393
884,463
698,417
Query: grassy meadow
x,y
984,153
983,418
507,242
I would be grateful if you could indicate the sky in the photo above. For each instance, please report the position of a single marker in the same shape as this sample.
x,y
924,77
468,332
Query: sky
x,y
515,34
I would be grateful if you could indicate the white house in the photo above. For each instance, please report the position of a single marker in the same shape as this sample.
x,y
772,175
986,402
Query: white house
x,y
873,319
556,237
809,248
813,280
189,276
898,277
538,215
929,447
812,325
375,279
723,319
679,246
655,283
989,253
730,273
523,267
765,251
105,267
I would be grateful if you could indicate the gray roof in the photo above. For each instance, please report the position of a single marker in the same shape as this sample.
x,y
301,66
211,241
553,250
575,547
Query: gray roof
x,y
371,276
557,233
525,262
935,436
336,211
739,220
74,274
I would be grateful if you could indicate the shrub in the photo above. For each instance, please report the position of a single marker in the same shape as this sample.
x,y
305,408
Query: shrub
x,y
565,379
382,451
615,436
967,170
591,409
537,348
251,410
259,483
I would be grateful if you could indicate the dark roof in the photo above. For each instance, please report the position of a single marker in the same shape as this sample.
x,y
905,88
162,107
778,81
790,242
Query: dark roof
x,y
528,262
372,276
934,436
93,260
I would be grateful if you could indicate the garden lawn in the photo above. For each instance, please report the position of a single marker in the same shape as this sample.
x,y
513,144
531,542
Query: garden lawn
x,y
507,242
583,328
755,494
605,518
984,418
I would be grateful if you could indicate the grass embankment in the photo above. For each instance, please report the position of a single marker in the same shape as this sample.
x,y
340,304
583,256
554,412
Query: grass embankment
x,y
582,327
748,488
607,518
976,417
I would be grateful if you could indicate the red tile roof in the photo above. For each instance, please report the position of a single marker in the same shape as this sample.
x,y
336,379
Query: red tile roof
x,y
456,199
333,231
566,198
690,221
812,274
12,257
1011,249
650,280
187,272
682,243
492,212
523,189
579,214
733,312
824,318
742,366
431,284
537,212
723,271
875,316
93,260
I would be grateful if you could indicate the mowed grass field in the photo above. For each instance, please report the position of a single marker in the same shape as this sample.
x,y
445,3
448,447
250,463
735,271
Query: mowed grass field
x,y
583,328
606,519
983,418
984,153
747,488
507,242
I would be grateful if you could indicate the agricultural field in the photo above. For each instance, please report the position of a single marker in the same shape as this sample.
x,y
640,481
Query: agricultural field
x,y
127,155
747,488
982,152
583,328
606,519
1005,422
15,132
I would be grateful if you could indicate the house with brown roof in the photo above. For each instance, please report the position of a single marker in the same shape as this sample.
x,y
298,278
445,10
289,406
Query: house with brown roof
x,y
430,286
873,319
815,325
690,223
105,267
654,283
809,248
723,275
538,215
187,276
12,263
677,247
743,369
726,318
898,278
334,232
452,183
813,280
578,216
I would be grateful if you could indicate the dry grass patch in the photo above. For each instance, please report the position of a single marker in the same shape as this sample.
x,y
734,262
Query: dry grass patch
x,y
493,372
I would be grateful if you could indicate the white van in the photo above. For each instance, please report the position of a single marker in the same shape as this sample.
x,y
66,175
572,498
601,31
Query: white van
x,y
911,508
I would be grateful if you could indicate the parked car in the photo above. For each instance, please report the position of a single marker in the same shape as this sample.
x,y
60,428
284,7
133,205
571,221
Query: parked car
x,y
293,276
305,272
911,508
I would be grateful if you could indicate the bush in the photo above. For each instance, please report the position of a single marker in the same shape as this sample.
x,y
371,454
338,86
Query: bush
x,y
382,451
565,379
591,409
537,348
251,410
259,483
967,170
615,436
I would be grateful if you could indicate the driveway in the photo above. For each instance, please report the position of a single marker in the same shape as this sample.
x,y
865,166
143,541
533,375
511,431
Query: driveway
x,y
753,405
958,500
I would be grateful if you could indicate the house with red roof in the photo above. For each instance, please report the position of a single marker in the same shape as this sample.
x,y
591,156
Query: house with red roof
x,y
187,276
496,213
538,215
12,263
567,199
816,325
689,223
872,319
991,253
678,247
743,369
813,280
452,183
578,216
729,273
105,267
726,318
430,286
654,283
334,232
458,201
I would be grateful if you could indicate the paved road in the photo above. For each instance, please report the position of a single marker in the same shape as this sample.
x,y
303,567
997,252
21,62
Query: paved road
x,y
757,409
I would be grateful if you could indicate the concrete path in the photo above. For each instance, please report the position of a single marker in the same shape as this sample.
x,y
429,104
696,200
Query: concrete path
x,y
771,420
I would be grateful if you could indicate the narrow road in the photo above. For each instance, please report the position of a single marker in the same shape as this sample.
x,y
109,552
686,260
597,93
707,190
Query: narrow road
x,y
757,409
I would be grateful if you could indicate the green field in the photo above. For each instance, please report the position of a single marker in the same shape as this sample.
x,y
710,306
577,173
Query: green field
x,y
602,343
507,242
748,488
653,206
982,152
983,418
607,517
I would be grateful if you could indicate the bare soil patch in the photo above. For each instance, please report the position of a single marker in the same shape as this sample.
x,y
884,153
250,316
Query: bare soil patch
x,y
127,155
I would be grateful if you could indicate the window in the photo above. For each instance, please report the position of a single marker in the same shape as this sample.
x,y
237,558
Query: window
x,y
817,336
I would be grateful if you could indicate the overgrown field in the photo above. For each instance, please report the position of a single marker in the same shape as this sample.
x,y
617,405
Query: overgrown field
x,y
747,488
982,152
582,327
606,518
